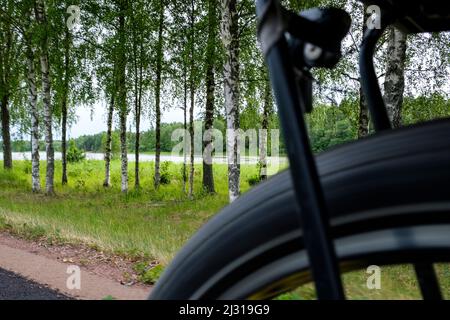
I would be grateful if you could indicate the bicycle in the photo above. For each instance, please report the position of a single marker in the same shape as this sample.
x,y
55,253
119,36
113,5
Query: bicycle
x,y
382,200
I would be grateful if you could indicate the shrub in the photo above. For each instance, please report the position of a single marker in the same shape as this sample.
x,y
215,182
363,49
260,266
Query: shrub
x,y
165,173
74,154
27,166
254,180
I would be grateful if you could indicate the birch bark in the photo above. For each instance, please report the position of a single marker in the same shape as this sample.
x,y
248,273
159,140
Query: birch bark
x,y
229,33
208,177
32,101
108,144
394,83
46,87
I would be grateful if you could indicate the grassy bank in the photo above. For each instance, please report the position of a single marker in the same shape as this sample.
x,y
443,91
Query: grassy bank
x,y
145,222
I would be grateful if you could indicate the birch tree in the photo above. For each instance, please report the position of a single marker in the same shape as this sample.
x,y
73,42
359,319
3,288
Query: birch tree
x,y
178,47
21,45
40,13
394,83
363,116
263,141
122,92
32,101
208,177
106,61
140,29
108,142
192,95
158,83
230,40
64,104
8,42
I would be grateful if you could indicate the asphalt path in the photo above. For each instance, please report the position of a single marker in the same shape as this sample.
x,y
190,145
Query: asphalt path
x,y
15,287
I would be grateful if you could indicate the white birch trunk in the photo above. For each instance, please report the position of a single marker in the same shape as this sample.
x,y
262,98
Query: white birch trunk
x,y
394,84
122,94
32,100
229,33
108,146
123,151
46,87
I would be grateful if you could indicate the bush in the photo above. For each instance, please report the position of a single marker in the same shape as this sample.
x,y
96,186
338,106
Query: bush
x,y
27,166
165,173
254,180
74,154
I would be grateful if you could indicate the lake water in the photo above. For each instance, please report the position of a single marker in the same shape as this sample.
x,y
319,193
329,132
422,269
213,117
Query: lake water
x,y
151,157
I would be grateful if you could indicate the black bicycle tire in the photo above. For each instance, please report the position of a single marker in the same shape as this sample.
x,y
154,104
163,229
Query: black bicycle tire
x,y
392,180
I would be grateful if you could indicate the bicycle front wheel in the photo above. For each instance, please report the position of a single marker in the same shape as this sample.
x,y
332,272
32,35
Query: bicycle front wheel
x,y
388,200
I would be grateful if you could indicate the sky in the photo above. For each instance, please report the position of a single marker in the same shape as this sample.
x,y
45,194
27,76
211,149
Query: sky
x,y
88,123
92,120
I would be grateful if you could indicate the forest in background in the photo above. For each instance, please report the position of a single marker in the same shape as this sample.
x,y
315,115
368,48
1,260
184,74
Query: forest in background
x,y
329,126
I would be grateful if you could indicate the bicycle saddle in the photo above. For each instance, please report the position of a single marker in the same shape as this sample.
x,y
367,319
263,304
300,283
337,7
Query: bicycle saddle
x,y
317,35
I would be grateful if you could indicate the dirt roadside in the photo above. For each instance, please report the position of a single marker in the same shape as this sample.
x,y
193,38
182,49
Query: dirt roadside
x,y
102,275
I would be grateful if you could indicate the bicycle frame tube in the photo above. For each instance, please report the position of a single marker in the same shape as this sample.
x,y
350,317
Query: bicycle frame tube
x,y
309,194
369,80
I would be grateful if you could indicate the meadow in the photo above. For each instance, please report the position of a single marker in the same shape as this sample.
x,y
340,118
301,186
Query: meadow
x,y
148,224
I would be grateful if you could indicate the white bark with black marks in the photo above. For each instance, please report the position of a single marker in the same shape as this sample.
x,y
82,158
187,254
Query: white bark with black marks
x,y
108,143
123,151
122,96
46,87
230,38
32,100
394,83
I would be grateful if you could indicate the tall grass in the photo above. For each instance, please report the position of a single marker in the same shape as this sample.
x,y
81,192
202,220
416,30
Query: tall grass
x,y
145,221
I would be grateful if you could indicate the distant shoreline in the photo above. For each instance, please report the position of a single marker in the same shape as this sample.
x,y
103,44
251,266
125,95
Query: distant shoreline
x,y
147,157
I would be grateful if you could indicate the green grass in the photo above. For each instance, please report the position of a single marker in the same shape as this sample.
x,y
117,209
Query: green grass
x,y
143,222
397,283
148,224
